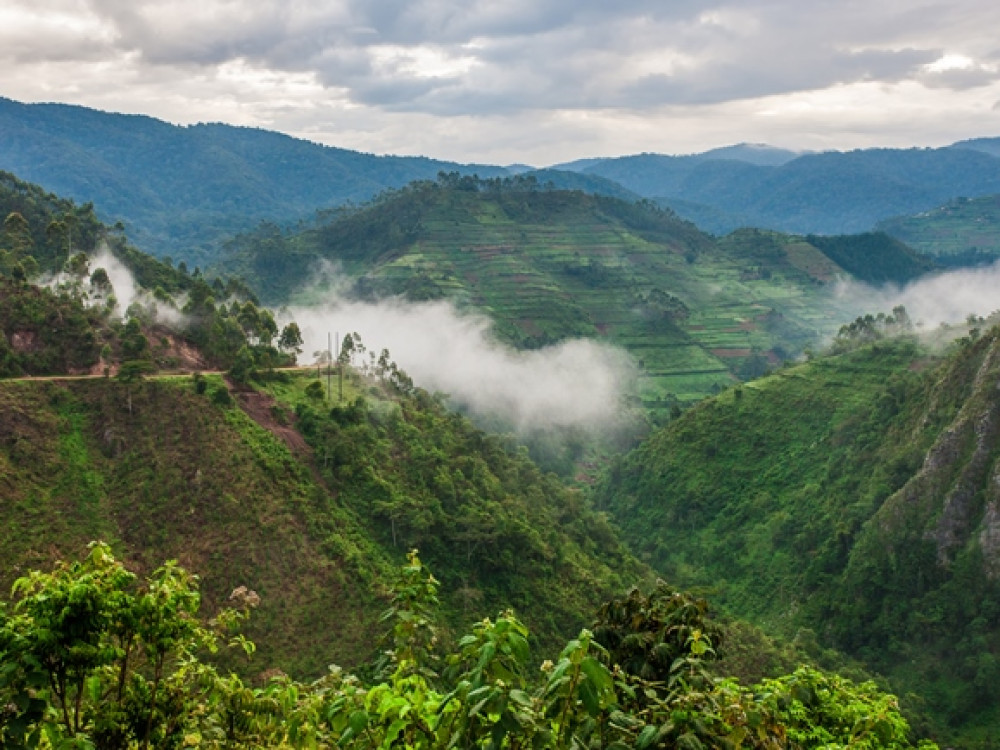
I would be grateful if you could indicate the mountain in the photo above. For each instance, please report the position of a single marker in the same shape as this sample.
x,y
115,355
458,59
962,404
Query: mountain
x,y
823,193
546,265
986,145
760,154
855,496
966,228
178,190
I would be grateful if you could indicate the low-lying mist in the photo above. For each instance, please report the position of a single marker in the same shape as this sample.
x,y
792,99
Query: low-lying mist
x,y
579,383
125,290
945,298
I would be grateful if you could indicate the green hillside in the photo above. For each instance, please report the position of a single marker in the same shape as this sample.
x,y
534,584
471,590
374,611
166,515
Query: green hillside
x,y
312,504
181,190
853,495
545,265
314,525
964,227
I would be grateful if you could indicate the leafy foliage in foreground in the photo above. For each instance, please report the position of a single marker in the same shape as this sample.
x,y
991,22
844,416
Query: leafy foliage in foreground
x,y
90,657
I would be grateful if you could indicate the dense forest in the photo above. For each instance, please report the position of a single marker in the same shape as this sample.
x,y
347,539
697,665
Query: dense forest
x,y
853,496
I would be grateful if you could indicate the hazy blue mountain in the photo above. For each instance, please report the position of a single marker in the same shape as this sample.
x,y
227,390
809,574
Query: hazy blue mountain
x,y
823,193
752,153
986,145
562,179
178,189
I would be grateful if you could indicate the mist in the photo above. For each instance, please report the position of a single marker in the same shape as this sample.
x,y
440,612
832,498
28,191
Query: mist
x,y
946,298
124,288
578,383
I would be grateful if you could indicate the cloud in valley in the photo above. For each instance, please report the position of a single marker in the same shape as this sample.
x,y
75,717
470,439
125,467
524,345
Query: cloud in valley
x,y
944,298
539,81
576,383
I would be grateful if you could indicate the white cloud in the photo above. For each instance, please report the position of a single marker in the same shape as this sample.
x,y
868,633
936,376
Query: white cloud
x,y
944,298
576,383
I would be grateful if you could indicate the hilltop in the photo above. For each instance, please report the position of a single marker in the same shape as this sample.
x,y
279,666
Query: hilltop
x,y
548,265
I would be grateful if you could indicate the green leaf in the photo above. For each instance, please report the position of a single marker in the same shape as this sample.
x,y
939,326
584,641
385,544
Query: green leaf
x,y
646,737
358,721
393,732
597,673
590,697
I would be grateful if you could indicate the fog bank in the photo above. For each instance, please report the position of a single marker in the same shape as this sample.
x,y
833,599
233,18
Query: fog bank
x,y
949,297
577,383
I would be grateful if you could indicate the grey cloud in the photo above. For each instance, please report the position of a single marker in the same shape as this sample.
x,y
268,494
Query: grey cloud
x,y
960,78
565,54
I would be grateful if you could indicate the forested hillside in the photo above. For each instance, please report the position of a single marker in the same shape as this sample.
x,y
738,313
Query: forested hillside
x,y
855,495
962,230
825,193
547,265
180,190
77,297
178,468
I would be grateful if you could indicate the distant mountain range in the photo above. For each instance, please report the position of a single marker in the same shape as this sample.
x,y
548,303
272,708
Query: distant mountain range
x,y
180,190
820,193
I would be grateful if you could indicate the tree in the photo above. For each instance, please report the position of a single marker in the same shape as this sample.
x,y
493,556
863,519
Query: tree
x,y
291,339
17,235
94,658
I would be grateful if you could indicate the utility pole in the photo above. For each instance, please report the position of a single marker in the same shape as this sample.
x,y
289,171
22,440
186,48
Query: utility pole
x,y
329,361
340,372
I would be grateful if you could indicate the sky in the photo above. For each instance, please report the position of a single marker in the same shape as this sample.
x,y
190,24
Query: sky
x,y
524,81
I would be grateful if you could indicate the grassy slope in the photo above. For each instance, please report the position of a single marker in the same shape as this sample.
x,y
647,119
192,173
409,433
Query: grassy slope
x,y
547,265
176,477
851,495
162,472
956,227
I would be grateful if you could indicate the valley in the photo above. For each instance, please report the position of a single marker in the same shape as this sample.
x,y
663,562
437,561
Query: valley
x,y
822,470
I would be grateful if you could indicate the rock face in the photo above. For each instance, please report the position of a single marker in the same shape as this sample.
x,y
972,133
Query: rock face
x,y
955,496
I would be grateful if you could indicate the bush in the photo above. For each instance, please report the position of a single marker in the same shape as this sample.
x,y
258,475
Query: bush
x,y
221,396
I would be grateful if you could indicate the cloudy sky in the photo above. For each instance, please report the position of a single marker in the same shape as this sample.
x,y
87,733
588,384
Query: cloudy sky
x,y
536,81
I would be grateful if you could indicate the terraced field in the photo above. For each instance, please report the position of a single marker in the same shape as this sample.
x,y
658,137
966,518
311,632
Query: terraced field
x,y
695,312
963,225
